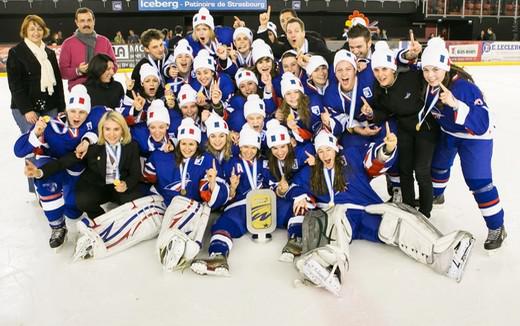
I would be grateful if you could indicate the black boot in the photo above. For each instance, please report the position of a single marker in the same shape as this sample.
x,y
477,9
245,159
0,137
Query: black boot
x,y
495,238
57,237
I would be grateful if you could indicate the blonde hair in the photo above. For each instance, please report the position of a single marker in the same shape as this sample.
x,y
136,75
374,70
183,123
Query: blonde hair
x,y
227,148
36,20
120,120
212,36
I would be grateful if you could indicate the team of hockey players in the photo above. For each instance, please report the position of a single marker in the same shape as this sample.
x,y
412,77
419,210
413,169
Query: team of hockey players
x,y
230,111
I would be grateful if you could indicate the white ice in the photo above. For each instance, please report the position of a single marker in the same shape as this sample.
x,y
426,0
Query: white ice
x,y
383,286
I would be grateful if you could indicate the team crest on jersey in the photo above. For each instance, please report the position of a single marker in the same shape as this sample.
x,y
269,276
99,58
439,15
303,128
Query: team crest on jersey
x,y
315,109
199,160
89,125
295,165
51,187
367,92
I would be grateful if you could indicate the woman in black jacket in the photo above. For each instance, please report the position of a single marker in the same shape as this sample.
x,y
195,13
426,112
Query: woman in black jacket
x,y
113,168
34,77
399,94
100,84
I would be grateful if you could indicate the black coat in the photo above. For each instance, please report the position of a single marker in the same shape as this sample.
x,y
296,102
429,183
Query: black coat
x,y
96,165
107,94
24,73
403,100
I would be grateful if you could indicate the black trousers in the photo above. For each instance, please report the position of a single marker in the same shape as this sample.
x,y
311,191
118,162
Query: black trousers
x,y
415,155
90,197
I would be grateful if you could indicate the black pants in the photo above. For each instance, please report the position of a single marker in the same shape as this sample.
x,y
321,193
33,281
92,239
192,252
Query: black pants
x,y
415,154
90,196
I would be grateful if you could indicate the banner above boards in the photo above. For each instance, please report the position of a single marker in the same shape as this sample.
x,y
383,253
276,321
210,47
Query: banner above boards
x,y
194,5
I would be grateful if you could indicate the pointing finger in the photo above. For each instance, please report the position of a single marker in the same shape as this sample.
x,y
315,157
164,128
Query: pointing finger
x,y
269,11
444,88
214,165
388,131
364,100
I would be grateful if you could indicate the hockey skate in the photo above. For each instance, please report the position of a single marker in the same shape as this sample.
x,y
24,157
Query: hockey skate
x,y
495,238
461,255
84,248
293,248
216,264
58,237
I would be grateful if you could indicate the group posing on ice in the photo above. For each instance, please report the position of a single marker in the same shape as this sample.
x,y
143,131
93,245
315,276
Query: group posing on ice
x,y
231,111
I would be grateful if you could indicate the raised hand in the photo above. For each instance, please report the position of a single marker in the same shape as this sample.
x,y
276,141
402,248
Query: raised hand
x,y
205,115
390,139
31,171
222,52
173,71
234,180
303,59
216,93
447,97
130,83
264,17
414,48
39,126
267,79
211,175
283,186
238,23
311,159
235,137
325,119
366,109
139,101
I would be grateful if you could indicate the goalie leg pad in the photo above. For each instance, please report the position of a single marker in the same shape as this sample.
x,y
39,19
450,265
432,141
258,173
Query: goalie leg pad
x,y
324,267
408,229
120,228
181,233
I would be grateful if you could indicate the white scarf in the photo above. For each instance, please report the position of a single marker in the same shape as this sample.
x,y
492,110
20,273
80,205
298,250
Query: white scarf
x,y
47,79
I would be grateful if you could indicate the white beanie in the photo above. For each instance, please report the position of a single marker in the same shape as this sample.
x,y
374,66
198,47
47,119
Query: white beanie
x,y
243,75
243,30
215,124
290,82
325,138
203,60
383,57
254,105
147,70
186,95
314,62
157,112
344,55
272,27
79,99
183,47
260,50
276,134
249,137
435,54
188,130
203,17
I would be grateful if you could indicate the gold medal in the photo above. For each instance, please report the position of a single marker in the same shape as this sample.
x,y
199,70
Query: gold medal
x,y
117,182
183,192
418,126
331,204
46,118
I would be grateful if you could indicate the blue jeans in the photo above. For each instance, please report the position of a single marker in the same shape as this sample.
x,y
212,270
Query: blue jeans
x,y
25,126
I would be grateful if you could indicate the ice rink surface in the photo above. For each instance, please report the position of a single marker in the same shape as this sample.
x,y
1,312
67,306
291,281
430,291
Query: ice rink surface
x,y
383,286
